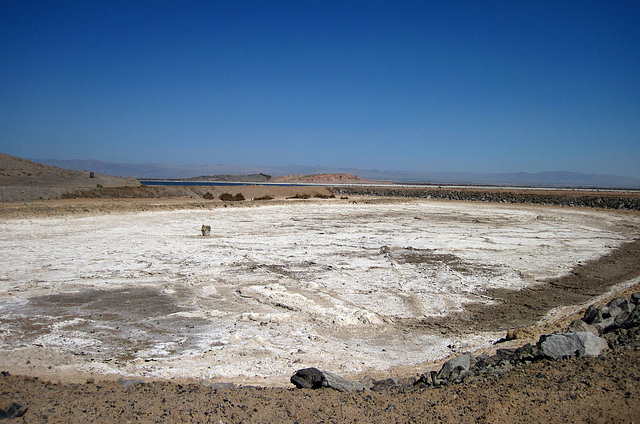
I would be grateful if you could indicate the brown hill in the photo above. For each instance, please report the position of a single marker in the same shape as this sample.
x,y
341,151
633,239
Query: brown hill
x,y
323,179
15,171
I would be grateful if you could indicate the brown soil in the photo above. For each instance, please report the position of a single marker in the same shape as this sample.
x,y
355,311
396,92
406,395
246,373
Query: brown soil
x,y
323,179
592,390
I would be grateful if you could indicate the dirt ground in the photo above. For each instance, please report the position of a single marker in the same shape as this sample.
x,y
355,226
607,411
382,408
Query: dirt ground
x,y
598,390
605,389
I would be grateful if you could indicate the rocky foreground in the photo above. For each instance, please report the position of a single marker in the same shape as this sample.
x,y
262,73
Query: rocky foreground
x,y
614,324
589,373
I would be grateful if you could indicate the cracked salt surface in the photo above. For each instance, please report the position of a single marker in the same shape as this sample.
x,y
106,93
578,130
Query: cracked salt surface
x,y
275,288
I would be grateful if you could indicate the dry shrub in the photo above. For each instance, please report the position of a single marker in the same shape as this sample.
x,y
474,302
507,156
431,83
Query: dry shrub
x,y
299,196
207,196
264,198
228,197
324,196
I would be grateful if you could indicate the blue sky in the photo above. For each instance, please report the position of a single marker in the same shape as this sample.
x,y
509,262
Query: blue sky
x,y
482,86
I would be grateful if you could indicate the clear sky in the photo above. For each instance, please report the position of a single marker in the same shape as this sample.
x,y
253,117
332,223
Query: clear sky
x,y
486,86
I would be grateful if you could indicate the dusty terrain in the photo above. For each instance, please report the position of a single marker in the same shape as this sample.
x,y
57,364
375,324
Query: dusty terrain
x,y
93,289
350,288
584,390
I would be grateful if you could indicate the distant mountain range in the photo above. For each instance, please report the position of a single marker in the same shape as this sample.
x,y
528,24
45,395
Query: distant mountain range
x,y
521,179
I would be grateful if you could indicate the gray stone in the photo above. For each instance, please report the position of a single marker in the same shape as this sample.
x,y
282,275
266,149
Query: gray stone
x,y
566,345
604,324
128,383
455,368
341,384
219,386
368,381
624,303
579,325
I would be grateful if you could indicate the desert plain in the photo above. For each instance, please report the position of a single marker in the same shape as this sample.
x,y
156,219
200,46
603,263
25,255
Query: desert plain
x,y
119,309
344,286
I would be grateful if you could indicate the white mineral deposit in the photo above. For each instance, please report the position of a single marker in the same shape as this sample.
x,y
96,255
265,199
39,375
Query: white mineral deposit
x,y
274,288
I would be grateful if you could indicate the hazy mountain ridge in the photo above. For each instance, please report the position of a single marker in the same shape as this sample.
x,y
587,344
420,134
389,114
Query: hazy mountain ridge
x,y
167,171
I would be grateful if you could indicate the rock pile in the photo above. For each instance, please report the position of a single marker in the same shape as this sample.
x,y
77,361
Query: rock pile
x,y
594,201
612,324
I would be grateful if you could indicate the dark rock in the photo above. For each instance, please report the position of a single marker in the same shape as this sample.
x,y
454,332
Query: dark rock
x,y
527,353
308,378
505,354
633,320
590,314
9,409
386,384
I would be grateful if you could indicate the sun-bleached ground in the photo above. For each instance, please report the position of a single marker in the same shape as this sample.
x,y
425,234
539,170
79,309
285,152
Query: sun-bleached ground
x,y
274,288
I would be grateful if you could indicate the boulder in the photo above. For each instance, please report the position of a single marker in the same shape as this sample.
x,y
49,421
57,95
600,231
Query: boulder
x,y
633,320
341,384
455,369
308,378
625,304
386,384
579,325
368,381
566,345
313,378
9,409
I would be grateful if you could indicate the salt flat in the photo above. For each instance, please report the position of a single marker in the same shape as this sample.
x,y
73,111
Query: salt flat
x,y
274,288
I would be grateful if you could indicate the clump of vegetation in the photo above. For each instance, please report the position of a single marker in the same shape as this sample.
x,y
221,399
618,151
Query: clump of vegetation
x,y
324,196
228,197
299,196
264,198
99,185
207,196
